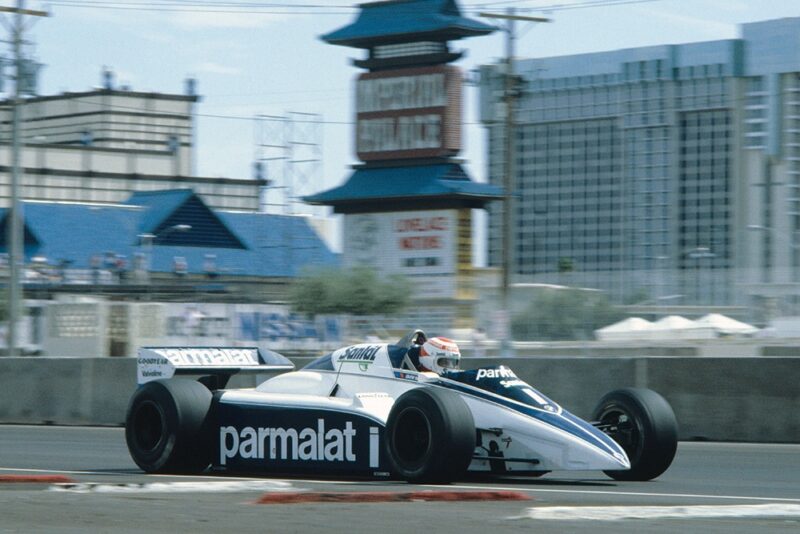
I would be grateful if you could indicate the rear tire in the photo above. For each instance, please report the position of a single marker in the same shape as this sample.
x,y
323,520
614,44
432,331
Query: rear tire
x,y
643,424
167,426
430,436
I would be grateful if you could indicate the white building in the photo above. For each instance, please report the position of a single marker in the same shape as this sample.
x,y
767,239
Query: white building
x,y
104,144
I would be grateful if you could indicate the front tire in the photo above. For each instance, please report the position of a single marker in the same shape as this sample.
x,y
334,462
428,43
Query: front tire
x,y
644,425
430,436
166,427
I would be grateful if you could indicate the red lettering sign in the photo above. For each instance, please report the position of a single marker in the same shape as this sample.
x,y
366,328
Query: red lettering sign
x,y
420,242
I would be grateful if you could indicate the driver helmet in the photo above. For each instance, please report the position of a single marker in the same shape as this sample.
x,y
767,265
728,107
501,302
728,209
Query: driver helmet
x,y
439,354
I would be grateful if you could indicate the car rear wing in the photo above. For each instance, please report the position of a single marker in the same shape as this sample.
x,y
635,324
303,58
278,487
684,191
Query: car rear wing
x,y
221,363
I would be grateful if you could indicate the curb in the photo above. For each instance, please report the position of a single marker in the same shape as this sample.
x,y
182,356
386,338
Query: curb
x,y
35,479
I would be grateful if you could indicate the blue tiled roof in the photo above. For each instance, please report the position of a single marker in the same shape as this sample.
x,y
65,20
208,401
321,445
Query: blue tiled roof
x,y
389,20
162,210
276,245
76,232
158,205
417,182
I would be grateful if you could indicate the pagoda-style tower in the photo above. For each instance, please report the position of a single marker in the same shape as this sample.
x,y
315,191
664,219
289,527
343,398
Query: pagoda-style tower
x,y
407,207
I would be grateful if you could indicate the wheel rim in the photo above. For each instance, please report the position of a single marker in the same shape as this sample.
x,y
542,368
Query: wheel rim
x,y
412,437
625,429
148,426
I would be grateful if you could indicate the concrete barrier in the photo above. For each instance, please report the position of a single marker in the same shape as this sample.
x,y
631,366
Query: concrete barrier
x,y
70,391
724,399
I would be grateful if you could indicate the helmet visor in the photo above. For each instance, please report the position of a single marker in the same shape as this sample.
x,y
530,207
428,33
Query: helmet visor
x,y
447,362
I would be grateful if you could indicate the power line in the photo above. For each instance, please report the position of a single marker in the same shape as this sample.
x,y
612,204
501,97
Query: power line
x,y
281,8
729,102
215,7
119,107
562,6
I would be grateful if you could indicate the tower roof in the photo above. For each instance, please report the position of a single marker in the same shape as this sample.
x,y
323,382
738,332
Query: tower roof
x,y
397,21
391,186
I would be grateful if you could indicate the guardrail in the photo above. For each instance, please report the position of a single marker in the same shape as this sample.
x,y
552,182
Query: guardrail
x,y
721,399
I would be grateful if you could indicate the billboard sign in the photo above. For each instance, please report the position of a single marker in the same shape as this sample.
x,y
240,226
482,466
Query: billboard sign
x,y
408,113
419,244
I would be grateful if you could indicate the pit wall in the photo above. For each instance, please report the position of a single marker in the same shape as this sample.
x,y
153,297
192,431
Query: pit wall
x,y
720,399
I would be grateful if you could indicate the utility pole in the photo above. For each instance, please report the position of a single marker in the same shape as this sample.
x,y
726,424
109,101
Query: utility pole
x,y
15,236
511,92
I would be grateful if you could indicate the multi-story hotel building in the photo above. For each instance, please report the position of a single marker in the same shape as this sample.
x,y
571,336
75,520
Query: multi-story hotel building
x,y
663,173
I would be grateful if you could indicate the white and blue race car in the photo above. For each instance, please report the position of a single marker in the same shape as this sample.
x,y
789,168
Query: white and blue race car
x,y
364,411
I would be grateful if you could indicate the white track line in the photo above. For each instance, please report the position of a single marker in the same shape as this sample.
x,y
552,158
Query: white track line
x,y
632,493
227,486
616,513
125,473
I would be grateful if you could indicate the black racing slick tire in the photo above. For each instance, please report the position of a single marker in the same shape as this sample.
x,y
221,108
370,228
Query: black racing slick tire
x,y
430,436
167,426
643,423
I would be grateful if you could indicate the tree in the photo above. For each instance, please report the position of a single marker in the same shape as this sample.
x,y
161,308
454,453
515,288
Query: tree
x,y
564,314
356,291
565,265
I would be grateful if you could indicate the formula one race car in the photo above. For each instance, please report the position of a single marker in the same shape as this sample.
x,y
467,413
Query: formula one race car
x,y
361,411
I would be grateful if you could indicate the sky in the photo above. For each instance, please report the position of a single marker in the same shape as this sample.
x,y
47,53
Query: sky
x,y
266,58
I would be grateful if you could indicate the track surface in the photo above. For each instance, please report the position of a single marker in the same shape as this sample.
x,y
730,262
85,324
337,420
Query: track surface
x,y
725,481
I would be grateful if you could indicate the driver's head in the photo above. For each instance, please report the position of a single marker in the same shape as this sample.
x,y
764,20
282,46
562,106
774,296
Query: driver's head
x,y
439,354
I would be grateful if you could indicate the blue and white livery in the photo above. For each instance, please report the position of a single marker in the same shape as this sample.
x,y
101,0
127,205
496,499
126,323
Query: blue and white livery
x,y
364,410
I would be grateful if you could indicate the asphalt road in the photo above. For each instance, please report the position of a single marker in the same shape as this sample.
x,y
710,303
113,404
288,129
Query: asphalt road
x,y
711,487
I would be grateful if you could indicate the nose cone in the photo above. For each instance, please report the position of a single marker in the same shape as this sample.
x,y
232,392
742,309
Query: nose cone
x,y
586,455
594,447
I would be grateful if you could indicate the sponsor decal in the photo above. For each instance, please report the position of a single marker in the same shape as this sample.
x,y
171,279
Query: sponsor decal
x,y
278,326
373,446
286,439
152,374
209,357
495,373
152,361
502,381
363,355
151,367
406,376
305,444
